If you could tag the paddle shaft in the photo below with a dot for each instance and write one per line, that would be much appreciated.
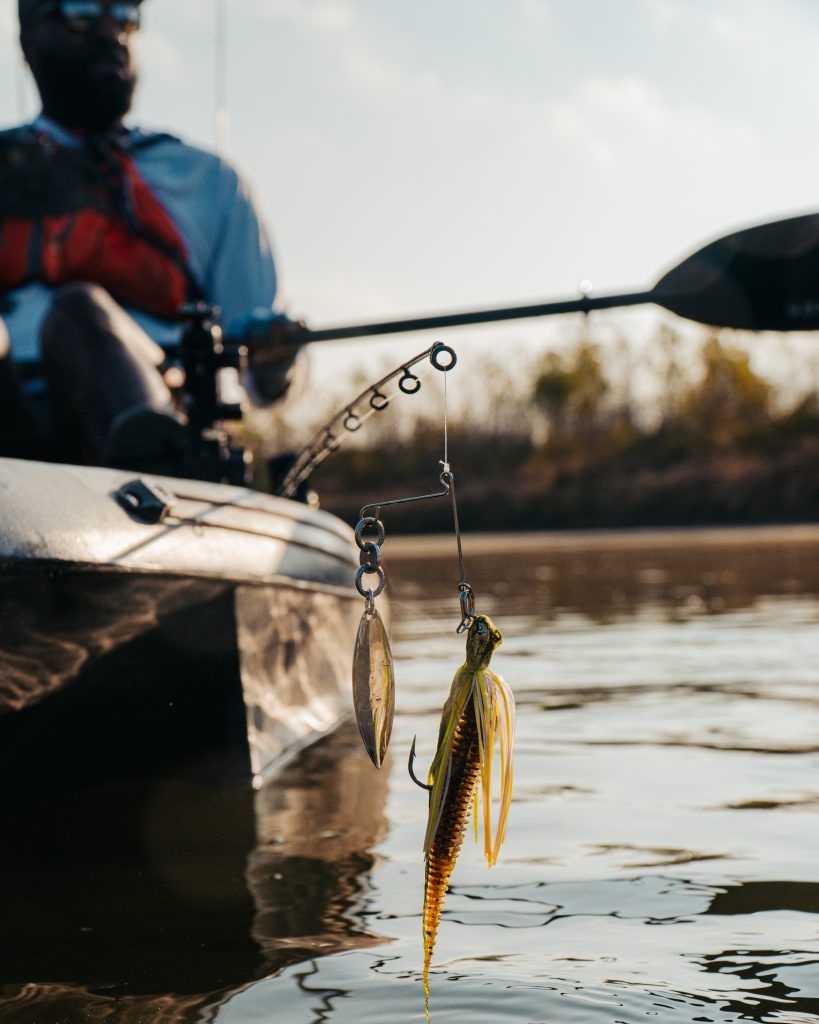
(585, 304)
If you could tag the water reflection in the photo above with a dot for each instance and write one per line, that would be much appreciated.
(664, 814)
(154, 903)
(661, 859)
(611, 576)
(777, 980)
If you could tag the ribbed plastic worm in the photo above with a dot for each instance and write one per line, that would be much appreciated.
(480, 709)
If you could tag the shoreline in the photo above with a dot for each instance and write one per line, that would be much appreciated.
(628, 538)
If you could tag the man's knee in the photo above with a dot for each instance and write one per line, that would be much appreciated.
(81, 297)
(79, 309)
(84, 314)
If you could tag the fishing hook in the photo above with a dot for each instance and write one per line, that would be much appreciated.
(411, 770)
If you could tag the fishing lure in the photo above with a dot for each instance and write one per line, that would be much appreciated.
(479, 711)
(478, 715)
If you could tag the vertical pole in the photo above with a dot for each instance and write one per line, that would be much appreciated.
(220, 77)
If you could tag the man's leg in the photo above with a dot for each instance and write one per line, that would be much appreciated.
(99, 366)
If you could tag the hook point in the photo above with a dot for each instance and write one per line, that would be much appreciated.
(411, 769)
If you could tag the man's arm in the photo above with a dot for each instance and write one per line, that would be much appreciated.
(243, 282)
(242, 273)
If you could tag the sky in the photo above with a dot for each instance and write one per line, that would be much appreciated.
(414, 156)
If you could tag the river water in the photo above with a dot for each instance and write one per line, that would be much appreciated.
(662, 857)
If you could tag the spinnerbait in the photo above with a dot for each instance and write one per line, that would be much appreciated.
(478, 715)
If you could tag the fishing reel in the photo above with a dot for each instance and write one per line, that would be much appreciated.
(202, 354)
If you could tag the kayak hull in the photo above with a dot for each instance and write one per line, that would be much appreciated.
(216, 640)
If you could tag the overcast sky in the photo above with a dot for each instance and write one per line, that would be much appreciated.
(411, 155)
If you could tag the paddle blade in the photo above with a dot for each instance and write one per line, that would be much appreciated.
(765, 278)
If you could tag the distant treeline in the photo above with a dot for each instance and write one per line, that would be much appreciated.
(574, 446)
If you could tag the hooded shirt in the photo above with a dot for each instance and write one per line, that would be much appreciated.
(205, 212)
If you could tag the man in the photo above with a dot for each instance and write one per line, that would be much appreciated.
(105, 234)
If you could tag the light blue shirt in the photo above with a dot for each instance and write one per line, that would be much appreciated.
(228, 250)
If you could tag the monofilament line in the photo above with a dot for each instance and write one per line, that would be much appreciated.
(446, 433)
(451, 478)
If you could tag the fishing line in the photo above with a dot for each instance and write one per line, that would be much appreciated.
(446, 434)
(467, 595)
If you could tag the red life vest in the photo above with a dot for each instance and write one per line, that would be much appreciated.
(86, 214)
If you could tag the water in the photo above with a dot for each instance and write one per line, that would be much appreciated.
(662, 859)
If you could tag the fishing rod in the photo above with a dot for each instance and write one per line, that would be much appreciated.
(762, 278)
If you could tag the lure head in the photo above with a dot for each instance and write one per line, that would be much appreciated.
(481, 640)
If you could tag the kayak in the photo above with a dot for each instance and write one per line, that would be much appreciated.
(152, 625)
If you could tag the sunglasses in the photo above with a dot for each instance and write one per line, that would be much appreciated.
(85, 15)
